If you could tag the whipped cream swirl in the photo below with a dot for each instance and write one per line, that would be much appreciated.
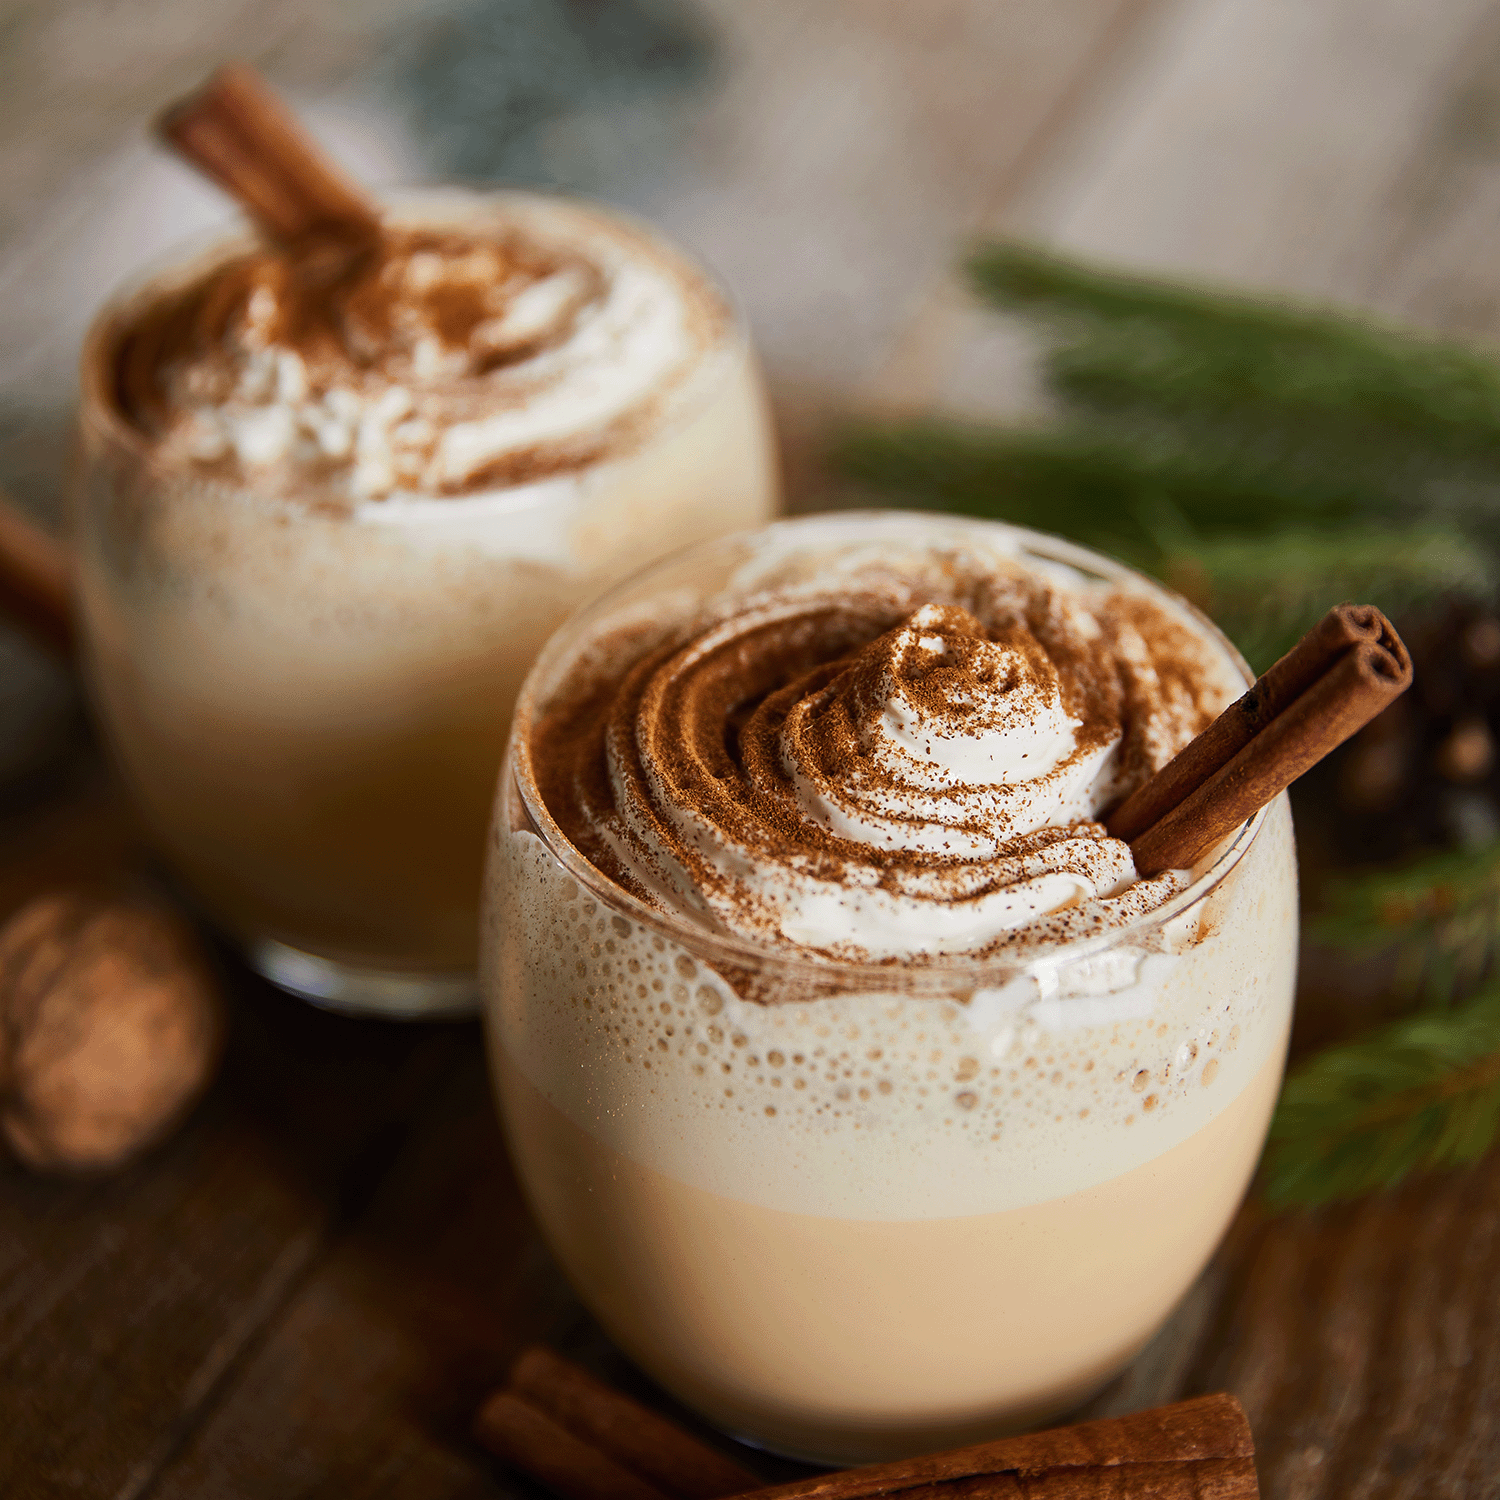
(876, 777)
(449, 359)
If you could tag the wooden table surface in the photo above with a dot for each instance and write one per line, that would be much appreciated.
(309, 1289)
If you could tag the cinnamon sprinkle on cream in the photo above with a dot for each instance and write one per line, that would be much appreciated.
(909, 767)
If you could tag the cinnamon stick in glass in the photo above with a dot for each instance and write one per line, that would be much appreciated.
(239, 133)
(1342, 628)
(1344, 672)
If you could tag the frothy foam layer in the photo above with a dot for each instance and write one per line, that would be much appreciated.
(910, 766)
(884, 1104)
(530, 339)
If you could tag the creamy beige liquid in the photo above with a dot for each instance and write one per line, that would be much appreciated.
(310, 707)
(870, 1225)
(855, 1339)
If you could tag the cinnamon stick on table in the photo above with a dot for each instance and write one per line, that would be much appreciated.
(1348, 668)
(539, 1445)
(1196, 1450)
(655, 1457)
(585, 1441)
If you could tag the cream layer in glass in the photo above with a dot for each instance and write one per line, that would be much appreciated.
(307, 674)
(854, 1210)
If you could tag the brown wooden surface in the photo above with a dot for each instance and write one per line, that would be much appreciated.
(309, 1289)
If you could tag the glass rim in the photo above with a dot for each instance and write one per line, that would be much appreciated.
(951, 973)
(99, 412)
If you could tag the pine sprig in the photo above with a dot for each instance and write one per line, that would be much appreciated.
(1417, 1095)
(1268, 589)
(1440, 916)
(1090, 483)
(1238, 544)
(1131, 342)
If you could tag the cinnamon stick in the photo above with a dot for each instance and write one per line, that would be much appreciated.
(1193, 1450)
(534, 1443)
(1342, 628)
(36, 581)
(1358, 684)
(1196, 1450)
(240, 134)
(645, 1443)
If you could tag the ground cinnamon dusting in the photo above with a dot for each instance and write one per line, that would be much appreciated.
(828, 745)
(326, 369)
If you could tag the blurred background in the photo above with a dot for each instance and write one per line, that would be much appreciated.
(833, 162)
(830, 160)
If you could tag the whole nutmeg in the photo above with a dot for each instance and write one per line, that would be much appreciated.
(111, 1026)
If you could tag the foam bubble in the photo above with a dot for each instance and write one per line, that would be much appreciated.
(880, 1104)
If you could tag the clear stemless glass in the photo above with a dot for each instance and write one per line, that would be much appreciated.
(854, 1211)
(309, 706)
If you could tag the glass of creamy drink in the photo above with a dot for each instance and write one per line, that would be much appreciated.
(866, 1095)
(327, 511)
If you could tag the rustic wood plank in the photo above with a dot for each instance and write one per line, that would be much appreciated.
(370, 1379)
(1364, 1341)
(1429, 259)
(845, 150)
(1335, 150)
(125, 1302)
(1263, 145)
(67, 826)
(847, 146)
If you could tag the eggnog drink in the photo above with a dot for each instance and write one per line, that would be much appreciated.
(866, 1094)
(329, 510)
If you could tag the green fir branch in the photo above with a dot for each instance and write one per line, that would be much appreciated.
(1439, 915)
(1091, 485)
(1267, 579)
(1127, 342)
(1418, 1095)
(1268, 589)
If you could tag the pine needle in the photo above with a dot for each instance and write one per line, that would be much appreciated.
(1266, 579)
(1268, 589)
(1418, 1095)
(1133, 342)
(1090, 484)
(1439, 914)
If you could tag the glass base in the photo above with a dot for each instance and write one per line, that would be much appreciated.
(849, 1458)
(352, 991)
